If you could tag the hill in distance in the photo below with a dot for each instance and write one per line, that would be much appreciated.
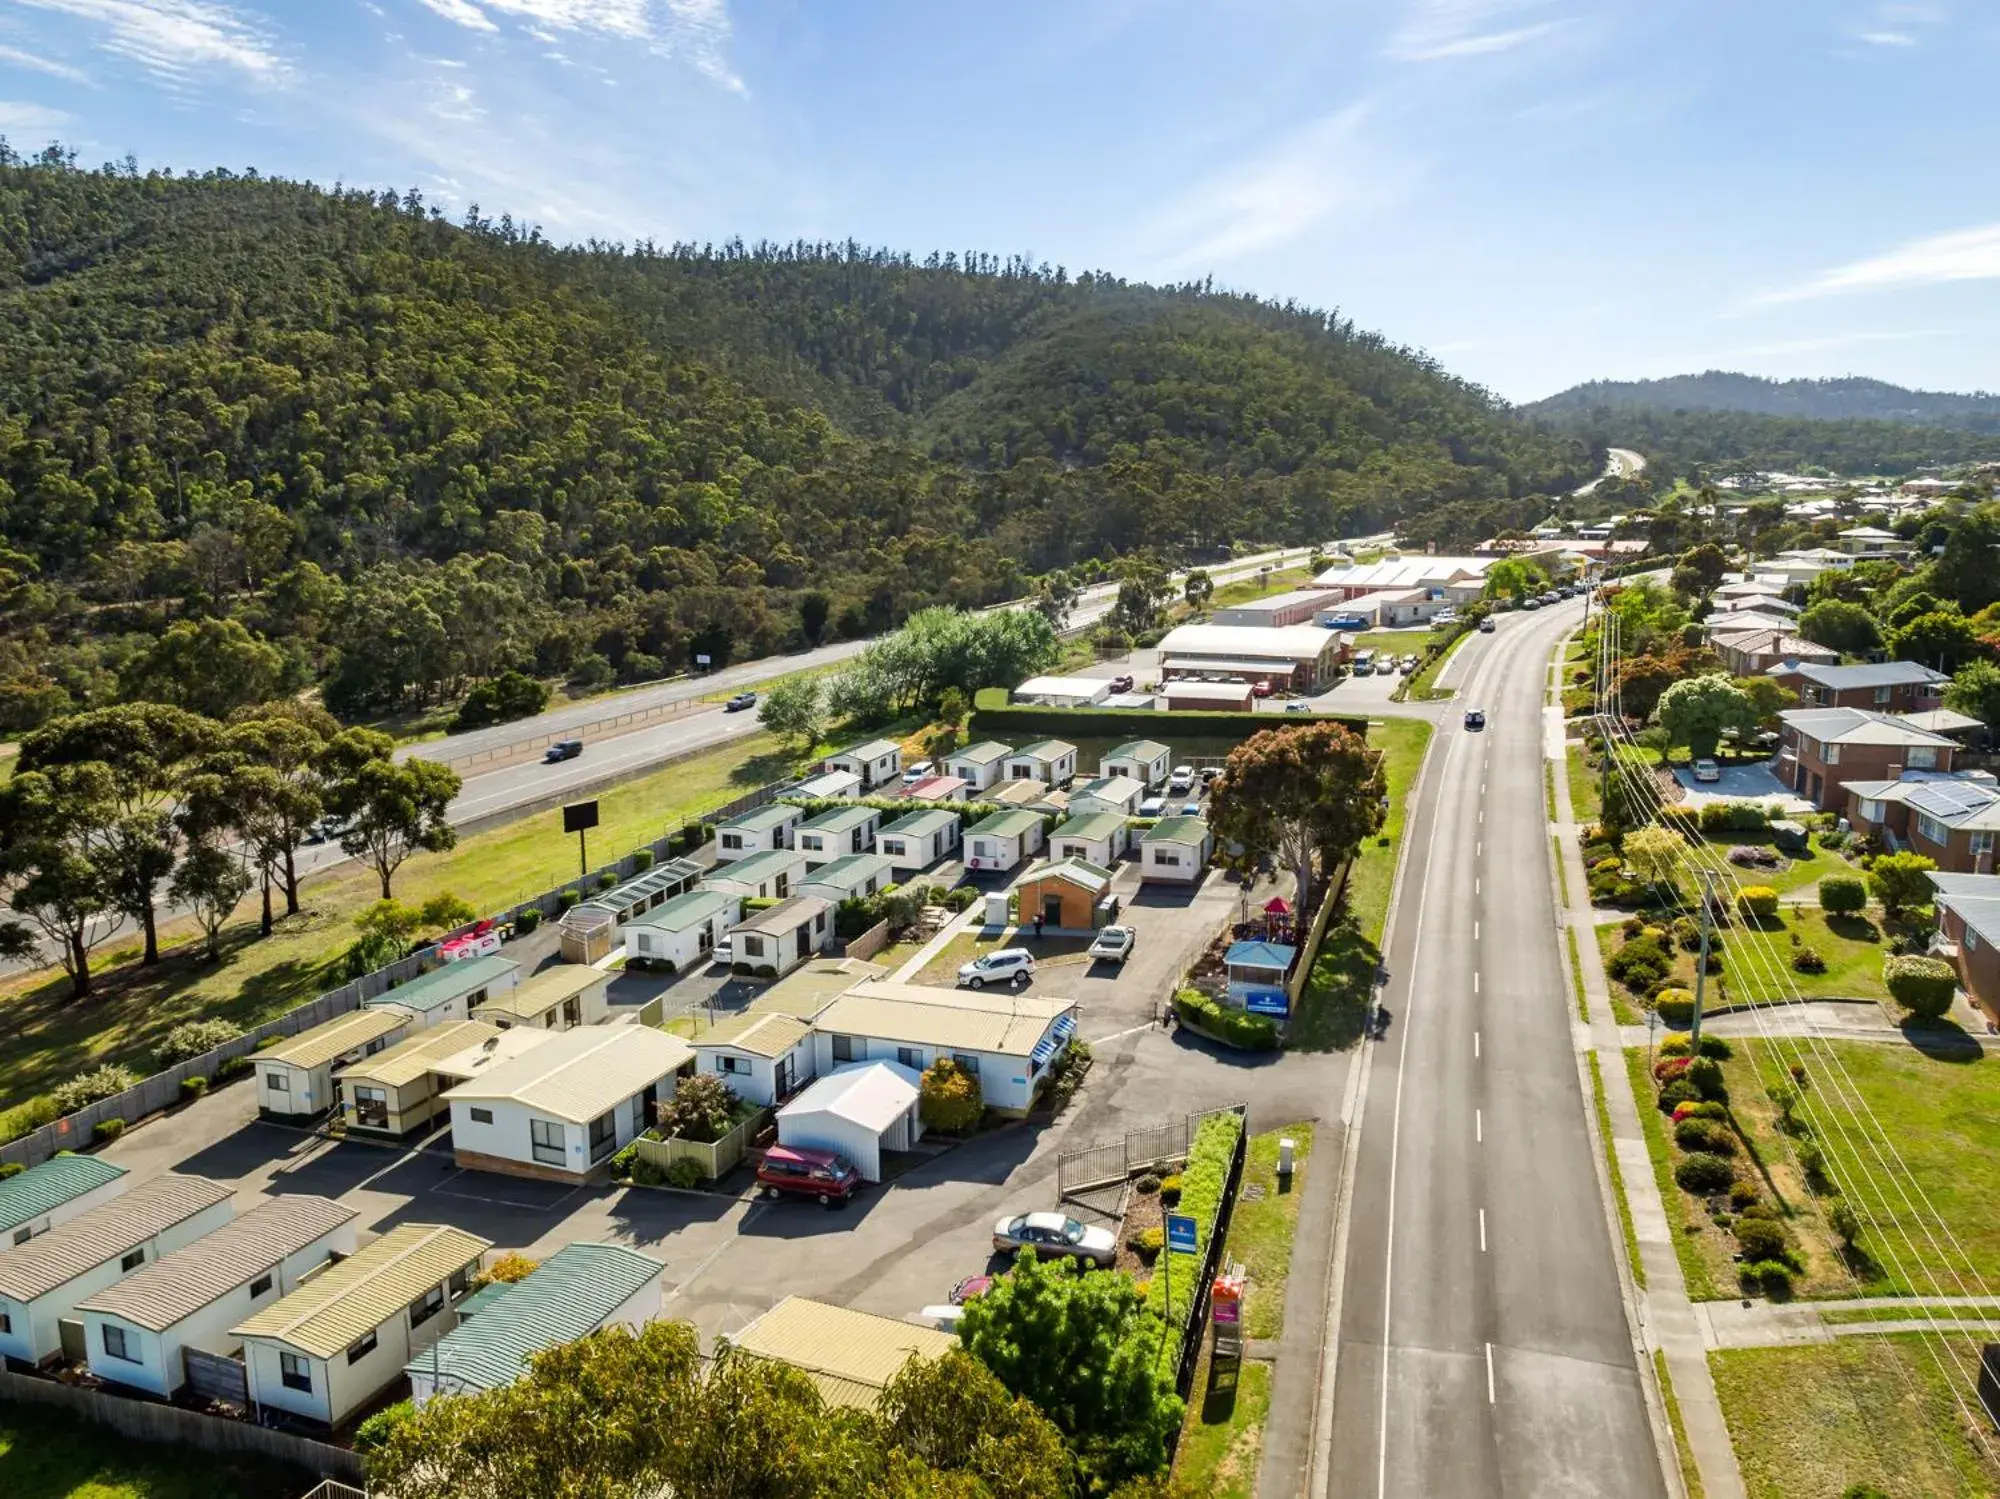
(1848, 398)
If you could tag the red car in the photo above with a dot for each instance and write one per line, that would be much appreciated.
(1262, 689)
(819, 1174)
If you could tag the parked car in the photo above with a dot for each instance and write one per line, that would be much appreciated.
(1261, 687)
(723, 952)
(1531, 603)
(1210, 774)
(1475, 718)
(1181, 780)
(1299, 707)
(1707, 770)
(1153, 806)
(795, 1171)
(1010, 965)
(1409, 665)
(1121, 684)
(971, 1286)
(1113, 945)
(915, 773)
(1050, 1234)
(739, 702)
(1190, 809)
(1486, 625)
(562, 749)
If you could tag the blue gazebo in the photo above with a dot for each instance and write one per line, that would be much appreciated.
(1257, 974)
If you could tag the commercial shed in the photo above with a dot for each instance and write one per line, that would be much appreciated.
(1185, 696)
(1006, 1041)
(328, 1349)
(919, 840)
(43, 1280)
(1062, 692)
(877, 763)
(1050, 761)
(576, 1291)
(783, 937)
(1274, 611)
(295, 1077)
(762, 1057)
(851, 877)
(556, 999)
(135, 1332)
(850, 1355)
(979, 765)
(1003, 840)
(1100, 837)
(1064, 894)
(684, 931)
(1146, 761)
(36, 1200)
(856, 1112)
(401, 1090)
(1175, 851)
(1302, 657)
(758, 832)
(450, 993)
(771, 875)
(831, 835)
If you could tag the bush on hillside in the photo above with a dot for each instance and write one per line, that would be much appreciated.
(87, 1088)
(1759, 902)
(1923, 986)
(191, 1038)
(1702, 1173)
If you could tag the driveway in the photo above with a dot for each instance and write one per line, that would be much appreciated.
(1750, 781)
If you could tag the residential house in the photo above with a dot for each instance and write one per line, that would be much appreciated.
(763, 831)
(1821, 750)
(447, 995)
(399, 1091)
(1063, 893)
(850, 1355)
(560, 1111)
(1119, 794)
(855, 877)
(1304, 658)
(1750, 652)
(136, 1331)
(833, 785)
(1766, 608)
(1006, 1041)
(1061, 692)
(783, 937)
(835, 834)
(34, 1201)
(1257, 975)
(43, 1280)
(857, 1112)
(878, 762)
(772, 875)
(1751, 588)
(1968, 935)
(1028, 793)
(1949, 819)
(682, 933)
(1146, 761)
(1175, 850)
(1003, 840)
(919, 840)
(764, 1057)
(979, 765)
(938, 790)
(1099, 837)
(578, 1290)
(1872, 541)
(1050, 761)
(295, 1077)
(1884, 686)
(325, 1352)
(556, 999)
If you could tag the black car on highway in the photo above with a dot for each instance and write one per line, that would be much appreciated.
(739, 702)
(562, 749)
(1475, 718)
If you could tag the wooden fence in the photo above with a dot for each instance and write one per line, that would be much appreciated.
(869, 942)
(715, 1160)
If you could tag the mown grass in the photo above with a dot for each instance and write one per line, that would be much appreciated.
(1617, 1173)
(1263, 1225)
(1223, 1440)
(1690, 1474)
(1757, 963)
(45, 1455)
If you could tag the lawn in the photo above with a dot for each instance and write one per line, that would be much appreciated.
(1223, 1440)
(1244, 590)
(51, 1037)
(45, 1455)
(1423, 686)
(1803, 873)
(1810, 1421)
(1260, 1231)
(1757, 966)
(1584, 803)
(1690, 1474)
(963, 948)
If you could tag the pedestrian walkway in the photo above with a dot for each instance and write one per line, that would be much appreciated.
(1767, 1324)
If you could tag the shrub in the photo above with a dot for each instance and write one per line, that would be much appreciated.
(1695, 1133)
(1843, 894)
(1170, 1188)
(621, 1163)
(1716, 1047)
(1146, 1185)
(565, 899)
(1706, 1075)
(1761, 1238)
(685, 1174)
(1148, 1242)
(1687, 933)
(1632, 926)
(193, 1088)
(1612, 865)
(1225, 1023)
(949, 1100)
(231, 1069)
(1686, 1110)
(1676, 1046)
(1702, 1173)
(1843, 1220)
(1667, 1068)
(1742, 1195)
(1675, 1006)
(508, 1267)
(1812, 1163)
(1759, 902)
(607, 881)
(1773, 1277)
(87, 1088)
(10, 1168)
(528, 920)
(1808, 960)
(1677, 1092)
(107, 1130)
(1733, 817)
(642, 860)
(269, 1041)
(1923, 986)
(646, 1174)
(702, 1109)
(1639, 962)
(190, 1039)
(374, 1433)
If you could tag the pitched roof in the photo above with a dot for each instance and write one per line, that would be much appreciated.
(1941, 721)
(851, 1355)
(1176, 830)
(935, 788)
(1253, 954)
(873, 1095)
(1093, 826)
(815, 983)
(333, 1038)
(1975, 898)
(757, 868)
(768, 1034)
(105, 1232)
(1138, 749)
(838, 820)
(963, 1019)
(442, 985)
(415, 1056)
(1044, 749)
(1079, 872)
(983, 753)
(575, 1075)
(1005, 824)
(874, 749)
(848, 871)
(685, 911)
(1016, 792)
(1767, 642)
(1872, 674)
(182, 1283)
(1114, 788)
(917, 824)
(44, 1188)
(1857, 726)
(763, 819)
(1262, 643)
(568, 1296)
(541, 992)
(785, 916)
(366, 1289)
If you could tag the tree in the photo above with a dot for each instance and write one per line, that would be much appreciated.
(1700, 569)
(1655, 854)
(701, 1109)
(1085, 1351)
(1900, 881)
(1056, 598)
(1844, 627)
(1197, 588)
(54, 849)
(815, 609)
(1943, 639)
(1975, 689)
(951, 1415)
(1513, 578)
(794, 708)
(1143, 590)
(208, 666)
(392, 809)
(209, 881)
(1697, 710)
(288, 739)
(1767, 698)
(950, 1101)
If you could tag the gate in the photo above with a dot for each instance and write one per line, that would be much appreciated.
(214, 1376)
(1104, 1163)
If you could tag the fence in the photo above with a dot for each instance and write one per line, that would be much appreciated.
(1152, 1149)
(716, 1160)
(148, 1421)
(1211, 1259)
(869, 942)
(1315, 935)
(500, 753)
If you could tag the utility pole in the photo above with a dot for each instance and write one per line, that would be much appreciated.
(1707, 880)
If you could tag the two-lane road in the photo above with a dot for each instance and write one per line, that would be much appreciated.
(1483, 1344)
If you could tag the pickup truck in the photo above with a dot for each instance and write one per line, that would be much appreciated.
(1113, 945)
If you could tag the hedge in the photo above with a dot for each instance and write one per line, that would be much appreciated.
(1843, 894)
(1226, 1023)
(1202, 1182)
(1734, 817)
(1124, 723)
(1760, 901)
(1923, 986)
(1702, 1173)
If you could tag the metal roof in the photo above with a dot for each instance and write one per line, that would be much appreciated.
(333, 1038)
(416, 1056)
(1092, 826)
(1857, 726)
(838, 820)
(685, 911)
(541, 992)
(651, 882)
(44, 1188)
(873, 1095)
(1079, 872)
(1261, 643)
(1974, 898)
(959, 1019)
(568, 1296)
(756, 869)
(983, 753)
(1005, 824)
(785, 916)
(1084, 687)
(1214, 692)
(442, 985)
(1873, 674)
(851, 1355)
(182, 1283)
(850, 870)
(776, 815)
(1112, 787)
(356, 1296)
(1253, 954)
(1138, 749)
(1017, 791)
(768, 1035)
(106, 1232)
(1190, 830)
(576, 1075)
(1941, 721)
(1045, 750)
(809, 988)
(874, 749)
(918, 824)
(1054, 1041)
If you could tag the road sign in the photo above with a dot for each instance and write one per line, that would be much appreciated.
(579, 815)
(1267, 1002)
(701, 660)
(1181, 1234)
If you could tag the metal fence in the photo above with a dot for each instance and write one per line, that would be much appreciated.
(1211, 1260)
(614, 722)
(1105, 1162)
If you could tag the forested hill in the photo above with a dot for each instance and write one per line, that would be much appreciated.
(408, 454)
(1846, 399)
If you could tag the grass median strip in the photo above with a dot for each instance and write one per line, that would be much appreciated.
(1223, 1440)
(1576, 976)
(1617, 1174)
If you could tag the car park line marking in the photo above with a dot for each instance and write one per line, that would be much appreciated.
(1482, 1232)
(1489, 1374)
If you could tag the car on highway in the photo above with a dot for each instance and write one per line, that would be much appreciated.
(1475, 718)
(1551, 597)
(1409, 665)
(561, 750)
(1053, 1234)
(327, 830)
(1707, 770)
(1486, 626)
(1010, 965)
(1113, 945)
(739, 702)
(1181, 780)
(795, 1171)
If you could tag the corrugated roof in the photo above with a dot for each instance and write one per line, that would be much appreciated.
(768, 1035)
(1253, 954)
(363, 1291)
(1113, 788)
(785, 916)
(1176, 830)
(808, 989)
(542, 992)
(44, 1188)
(1079, 872)
(918, 824)
(959, 1019)
(1856, 726)
(685, 911)
(106, 1232)
(850, 870)
(566, 1297)
(1015, 792)
(1091, 826)
(577, 1074)
(1138, 749)
(1005, 824)
(1263, 643)
(414, 1056)
(334, 1038)
(1941, 721)
(850, 1354)
(874, 749)
(838, 820)
(442, 985)
(763, 819)
(983, 753)
(756, 869)
(196, 1276)
(873, 1095)
(1044, 749)
(1871, 674)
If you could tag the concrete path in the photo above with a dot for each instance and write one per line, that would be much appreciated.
(1765, 1324)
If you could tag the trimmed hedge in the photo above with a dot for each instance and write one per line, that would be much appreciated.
(1734, 817)
(1202, 1181)
(1923, 986)
(1226, 1023)
(1843, 894)
(1702, 1173)
(528, 920)
(1760, 901)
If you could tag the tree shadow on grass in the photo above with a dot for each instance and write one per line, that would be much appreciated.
(1333, 1009)
(1943, 1040)
(761, 770)
(1854, 928)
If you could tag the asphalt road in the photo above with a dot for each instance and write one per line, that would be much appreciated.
(1482, 1347)
(1618, 463)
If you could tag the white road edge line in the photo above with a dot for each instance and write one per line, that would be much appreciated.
(1489, 1375)
(1482, 1234)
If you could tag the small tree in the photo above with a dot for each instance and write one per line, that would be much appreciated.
(1198, 588)
(209, 882)
(702, 1109)
(1923, 986)
(794, 708)
(1900, 881)
(950, 1100)
(1843, 894)
(1655, 854)
(1696, 710)
(394, 808)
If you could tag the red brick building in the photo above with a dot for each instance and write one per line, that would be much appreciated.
(1822, 750)
(1968, 936)
(1950, 820)
(1881, 687)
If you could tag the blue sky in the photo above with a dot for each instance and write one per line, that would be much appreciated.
(1536, 191)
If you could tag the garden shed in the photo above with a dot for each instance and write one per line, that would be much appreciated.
(858, 1112)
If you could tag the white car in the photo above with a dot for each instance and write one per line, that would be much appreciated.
(1707, 770)
(1010, 965)
(1054, 1234)
(916, 773)
(1113, 945)
(1182, 779)
(721, 954)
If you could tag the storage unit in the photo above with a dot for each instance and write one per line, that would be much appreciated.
(938, 790)
(555, 999)
(1120, 794)
(576, 1291)
(979, 765)
(43, 1280)
(757, 832)
(1003, 840)
(327, 1350)
(682, 933)
(295, 1077)
(857, 1112)
(919, 840)
(450, 993)
(1064, 894)
(764, 1058)
(850, 1355)
(834, 834)
(401, 1090)
(782, 938)
(1005, 1040)
(1050, 761)
(831, 786)
(878, 762)
(854, 877)
(1175, 851)
(1146, 761)
(1100, 837)
(135, 1332)
(562, 1110)
(772, 875)
(1274, 611)
(56, 1191)
(1185, 696)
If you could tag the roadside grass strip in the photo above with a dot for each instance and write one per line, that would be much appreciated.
(1610, 1146)
(1690, 1471)
(1223, 1441)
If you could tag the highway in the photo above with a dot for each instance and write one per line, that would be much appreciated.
(1619, 463)
(1481, 1343)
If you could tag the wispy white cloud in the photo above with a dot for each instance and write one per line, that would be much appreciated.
(20, 119)
(1896, 23)
(696, 31)
(14, 57)
(464, 13)
(1957, 255)
(1438, 29)
(173, 39)
(1886, 38)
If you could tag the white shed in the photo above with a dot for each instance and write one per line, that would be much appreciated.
(857, 1112)
(1121, 794)
(1175, 851)
(756, 832)
(1062, 692)
(772, 875)
(1099, 837)
(877, 762)
(1003, 840)
(829, 786)
(295, 1077)
(919, 840)
(682, 933)
(36, 1200)
(979, 765)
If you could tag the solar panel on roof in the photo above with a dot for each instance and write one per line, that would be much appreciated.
(1949, 798)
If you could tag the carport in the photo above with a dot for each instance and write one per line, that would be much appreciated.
(857, 1112)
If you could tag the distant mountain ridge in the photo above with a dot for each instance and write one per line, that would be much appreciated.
(1847, 398)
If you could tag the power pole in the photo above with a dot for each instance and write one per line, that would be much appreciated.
(1707, 880)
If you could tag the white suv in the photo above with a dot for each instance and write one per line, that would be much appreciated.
(1010, 965)
(1182, 779)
